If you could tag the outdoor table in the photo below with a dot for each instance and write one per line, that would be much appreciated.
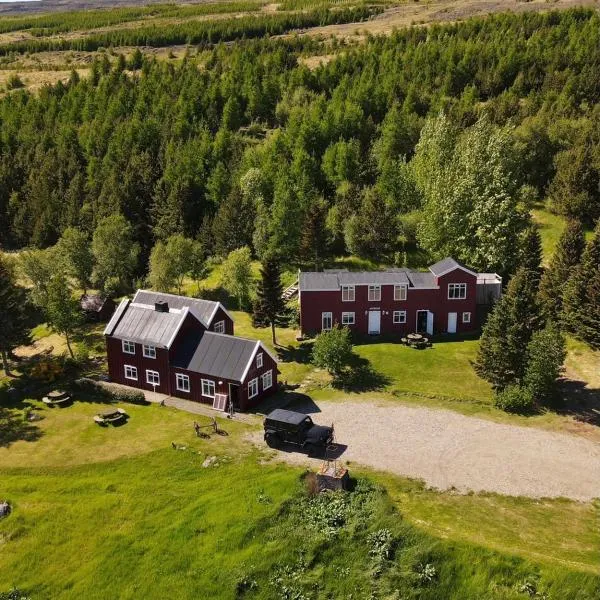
(414, 337)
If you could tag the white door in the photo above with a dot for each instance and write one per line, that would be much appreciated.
(374, 322)
(452, 317)
(429, 323)
(326, 321)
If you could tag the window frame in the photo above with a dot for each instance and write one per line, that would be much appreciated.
(348, 289)
(454, 287)
(210, 384)
(403, 289)
(182, 377)
(253, 384)
(349, 314)
(125, 344)
(468, 321)
(267, 374)
(152, 372)
(259, 360)
(330, 320)
(401, 315)
(131, 369)
(219, 326)
(376, 296)
(151, 354)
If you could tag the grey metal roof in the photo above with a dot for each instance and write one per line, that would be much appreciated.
(420, 279)
(114, 320)
(333, 280)
(144, 325)
(221, 355)
(445, 265)
(203, 308)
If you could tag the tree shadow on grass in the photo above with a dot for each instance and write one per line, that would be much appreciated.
(360, 376)
(579, 401)
(301, 354)
(14, 428)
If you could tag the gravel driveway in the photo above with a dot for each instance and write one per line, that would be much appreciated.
(447, 450)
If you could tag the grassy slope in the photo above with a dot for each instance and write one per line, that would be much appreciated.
(126, 516)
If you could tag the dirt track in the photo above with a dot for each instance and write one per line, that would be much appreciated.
(449, 450)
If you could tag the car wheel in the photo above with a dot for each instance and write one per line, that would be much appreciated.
(311, 449)
(272, 440)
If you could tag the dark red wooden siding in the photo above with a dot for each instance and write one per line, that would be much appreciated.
(221, 315)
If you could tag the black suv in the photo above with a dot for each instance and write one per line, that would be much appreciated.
(286, 426)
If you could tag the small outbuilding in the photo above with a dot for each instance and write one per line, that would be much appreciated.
(96, 307)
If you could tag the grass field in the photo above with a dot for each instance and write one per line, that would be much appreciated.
(116, 512)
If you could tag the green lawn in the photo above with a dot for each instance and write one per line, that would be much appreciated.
(116, 512)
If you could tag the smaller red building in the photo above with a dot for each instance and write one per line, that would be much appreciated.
(185, 347)
(396, 301)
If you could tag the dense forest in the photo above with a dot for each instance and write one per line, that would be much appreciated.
(440, 137)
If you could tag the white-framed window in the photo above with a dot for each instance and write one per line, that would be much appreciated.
(267, 380)
(259, 360)
(149, 351)
(182, 382)
(326, 321)
(208, 388)
(128, 347)
(347, 293)
(347, 318)
(152, 377)
(466, 317)
(374, 293)
(253, 388)
(457, 291)
(399, 316)
(400, 292)
(130, 372)
(220, 327)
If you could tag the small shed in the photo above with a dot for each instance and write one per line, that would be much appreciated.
(96, 307)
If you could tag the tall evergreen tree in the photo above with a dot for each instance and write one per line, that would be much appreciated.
(566, 257)
(14, 329)
(501, 358)
(581, 308)
(531, 253)
(314, 243)
(270, 304)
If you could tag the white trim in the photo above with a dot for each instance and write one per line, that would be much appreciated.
(401, 286)
(110, 326)
(153, 373)
(460, 283)
(454, 269)
(417, 317)
(349, 287)
(210, 383)
(245, 374)
(182, 377)
(221, 324)
(468, 321)
(123, 342)
(377, 288)
(125, 367)
(144, 346)
(323, 317)
(259, 359)
(214, 312)
(268, 373)
(253, 382)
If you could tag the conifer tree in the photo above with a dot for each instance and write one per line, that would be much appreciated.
(566, 257)
(531, 253)
(581, 314)
(501, 358)
(13, 324)
(270, 304)
(314, 243)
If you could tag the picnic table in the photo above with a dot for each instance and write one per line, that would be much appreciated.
(112, 416)
(56, 398)
(416, 340)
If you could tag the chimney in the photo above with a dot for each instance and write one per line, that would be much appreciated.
(161, 306)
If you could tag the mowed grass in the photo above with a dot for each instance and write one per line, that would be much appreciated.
(117, 513)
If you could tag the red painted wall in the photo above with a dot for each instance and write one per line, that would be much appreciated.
(221, 315)
(312, 304)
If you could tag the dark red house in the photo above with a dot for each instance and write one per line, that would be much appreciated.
(185, 347)
(395, 301)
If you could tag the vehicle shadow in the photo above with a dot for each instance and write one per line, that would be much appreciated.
(331, 452)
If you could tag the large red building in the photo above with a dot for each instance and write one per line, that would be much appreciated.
(444, 299)
(185, 347)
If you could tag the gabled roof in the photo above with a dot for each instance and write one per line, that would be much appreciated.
(446, 265)
(333, 280)
(93, 302)
(225, 356)
(205, 310)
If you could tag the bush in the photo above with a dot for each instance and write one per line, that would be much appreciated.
(14, 82)
(114, 393)
(515, 399)
(333, 350)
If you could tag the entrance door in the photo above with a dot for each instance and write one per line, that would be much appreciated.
(452, 318)
(429, 323)
(234, 395)
(422, 318)
(326, 321)
(374, 322)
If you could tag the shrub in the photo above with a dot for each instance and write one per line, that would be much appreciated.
(381, 543)
(426, 572)
(514, 399)
(14, 594)
(333, 350)
(114, 393)
(14, 82)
